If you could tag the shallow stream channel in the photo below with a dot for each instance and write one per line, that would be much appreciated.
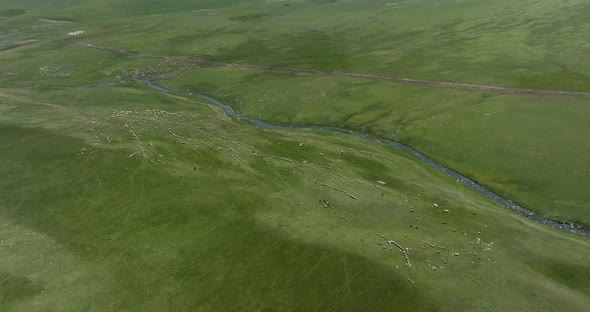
(571, 227)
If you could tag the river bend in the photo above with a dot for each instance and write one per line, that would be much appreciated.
(571, 227)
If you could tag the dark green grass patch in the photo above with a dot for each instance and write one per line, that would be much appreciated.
(11, 12)
(14, 288)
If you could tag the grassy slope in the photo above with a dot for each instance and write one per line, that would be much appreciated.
(531, 149)
(522, 45)
(218, 215)
(526, 44)
(245, 230)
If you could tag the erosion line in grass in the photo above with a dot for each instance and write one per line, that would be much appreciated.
(571, 227)
(421, 82)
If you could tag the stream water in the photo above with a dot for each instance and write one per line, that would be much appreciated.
(571, 227)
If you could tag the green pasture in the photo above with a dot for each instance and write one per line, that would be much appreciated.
(135, 200)
(531, 44)
(116, 197)
(531, 149)
(524, 44)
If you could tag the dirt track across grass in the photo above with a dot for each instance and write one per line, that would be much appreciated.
(428, 83)
(17, 44)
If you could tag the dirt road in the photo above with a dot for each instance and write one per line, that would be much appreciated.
(428, 83)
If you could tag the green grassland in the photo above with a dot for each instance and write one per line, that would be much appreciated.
(122, 198)
(135, 200)
(536, 44)
(526, 44)
(531, 149)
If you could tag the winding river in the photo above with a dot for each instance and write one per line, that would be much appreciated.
(454, 174)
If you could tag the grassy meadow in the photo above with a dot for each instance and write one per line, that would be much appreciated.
(116, 197)
(529, 148)
(141, 201)
(526, 44)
